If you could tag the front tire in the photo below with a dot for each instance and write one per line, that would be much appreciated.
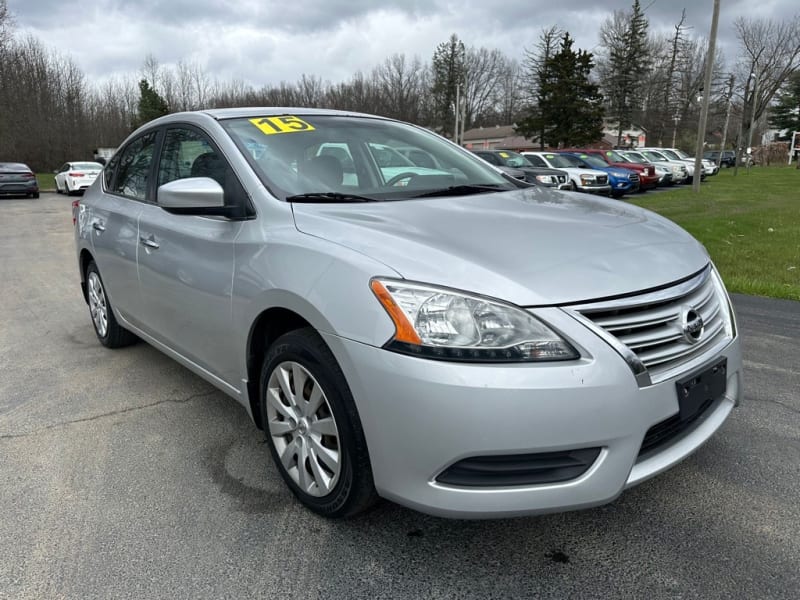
(110, 333)
(312, 427)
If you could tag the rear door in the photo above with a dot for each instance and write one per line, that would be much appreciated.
(113, 221)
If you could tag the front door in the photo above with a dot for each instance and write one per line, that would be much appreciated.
(186, 262)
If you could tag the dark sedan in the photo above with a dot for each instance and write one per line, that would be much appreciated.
(506, 159)
(16, 179)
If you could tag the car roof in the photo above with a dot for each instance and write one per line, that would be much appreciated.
(11, 165)
(269, 111)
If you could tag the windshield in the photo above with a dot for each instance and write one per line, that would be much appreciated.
(635, 157)
(345, 156)
(681, 154)
(670, 154)
(562, 161)
(87, 166)
(594, 162)
(615, 156)
(513, 159)
(654, 156)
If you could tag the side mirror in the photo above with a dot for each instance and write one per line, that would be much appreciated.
(194, 196)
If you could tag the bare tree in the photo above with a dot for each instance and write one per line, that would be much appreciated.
(770, 53)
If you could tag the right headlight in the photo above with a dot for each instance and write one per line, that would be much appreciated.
(446, 324)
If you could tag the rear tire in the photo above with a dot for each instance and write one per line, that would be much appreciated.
(312, 427)
(110, 333)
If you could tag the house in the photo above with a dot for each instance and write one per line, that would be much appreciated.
(632, 136)
(499, 136)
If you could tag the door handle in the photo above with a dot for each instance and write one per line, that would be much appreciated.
(149, 242)
(97, 226)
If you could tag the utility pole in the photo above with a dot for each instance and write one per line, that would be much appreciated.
(701, 128)
(727, 121)
(458, 110)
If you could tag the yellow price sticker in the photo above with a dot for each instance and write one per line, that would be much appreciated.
(282, 124)
(504, 154)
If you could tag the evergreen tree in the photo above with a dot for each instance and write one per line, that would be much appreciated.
(151, 104)
(448, 68)
(786, 113)
(627, 58)
(569, 109)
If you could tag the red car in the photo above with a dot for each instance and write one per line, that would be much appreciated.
(647, 172)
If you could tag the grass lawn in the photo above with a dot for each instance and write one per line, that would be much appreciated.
(750, 225)
(46, 181)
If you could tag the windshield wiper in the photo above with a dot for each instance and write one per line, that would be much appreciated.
(463, 190)
(329, 197)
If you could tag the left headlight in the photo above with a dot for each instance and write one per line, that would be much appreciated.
(446, 324)
(619, 174)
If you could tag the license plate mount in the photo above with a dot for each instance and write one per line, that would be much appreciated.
(695, 393)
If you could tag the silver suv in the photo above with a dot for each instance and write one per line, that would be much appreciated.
(443, 336)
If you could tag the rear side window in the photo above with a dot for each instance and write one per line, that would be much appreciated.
(134, 167)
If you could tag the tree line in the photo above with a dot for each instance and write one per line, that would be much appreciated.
(554, 93)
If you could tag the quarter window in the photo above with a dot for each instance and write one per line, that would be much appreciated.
(134, 167)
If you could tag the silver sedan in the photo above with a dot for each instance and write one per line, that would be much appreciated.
(448, 338)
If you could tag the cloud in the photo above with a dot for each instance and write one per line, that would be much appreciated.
(268, 41)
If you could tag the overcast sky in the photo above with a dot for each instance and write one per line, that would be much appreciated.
(267, 41)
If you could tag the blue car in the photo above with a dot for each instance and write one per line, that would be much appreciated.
(622, 181)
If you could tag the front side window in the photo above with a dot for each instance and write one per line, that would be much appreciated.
(369, 157)
(134, 167)
(189, 153)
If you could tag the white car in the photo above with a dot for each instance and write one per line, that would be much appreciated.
(75, 177)
(592, 181)
(709, 166)
(682, 172)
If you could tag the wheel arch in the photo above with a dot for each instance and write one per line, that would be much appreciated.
(84, 258)
(268, 326)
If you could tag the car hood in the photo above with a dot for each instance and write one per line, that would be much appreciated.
(577, 171)
(531, 247)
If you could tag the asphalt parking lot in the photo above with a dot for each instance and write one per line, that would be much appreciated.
(123, 475)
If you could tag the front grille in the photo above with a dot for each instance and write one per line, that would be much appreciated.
(634, 178)
(519, 469)
(667, 430)
(602, 179)
(654, 326)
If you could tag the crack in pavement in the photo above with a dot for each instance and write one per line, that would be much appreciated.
(771, 401)
(122, 411)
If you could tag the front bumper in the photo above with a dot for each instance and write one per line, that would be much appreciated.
(595, 188)
(421, 416)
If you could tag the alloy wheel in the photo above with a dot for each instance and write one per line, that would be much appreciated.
(97, 304)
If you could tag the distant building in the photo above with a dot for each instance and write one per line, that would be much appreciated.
(499, 136)
(504, 137)
(632, 136)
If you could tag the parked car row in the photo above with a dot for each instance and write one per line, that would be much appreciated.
(596, 171)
